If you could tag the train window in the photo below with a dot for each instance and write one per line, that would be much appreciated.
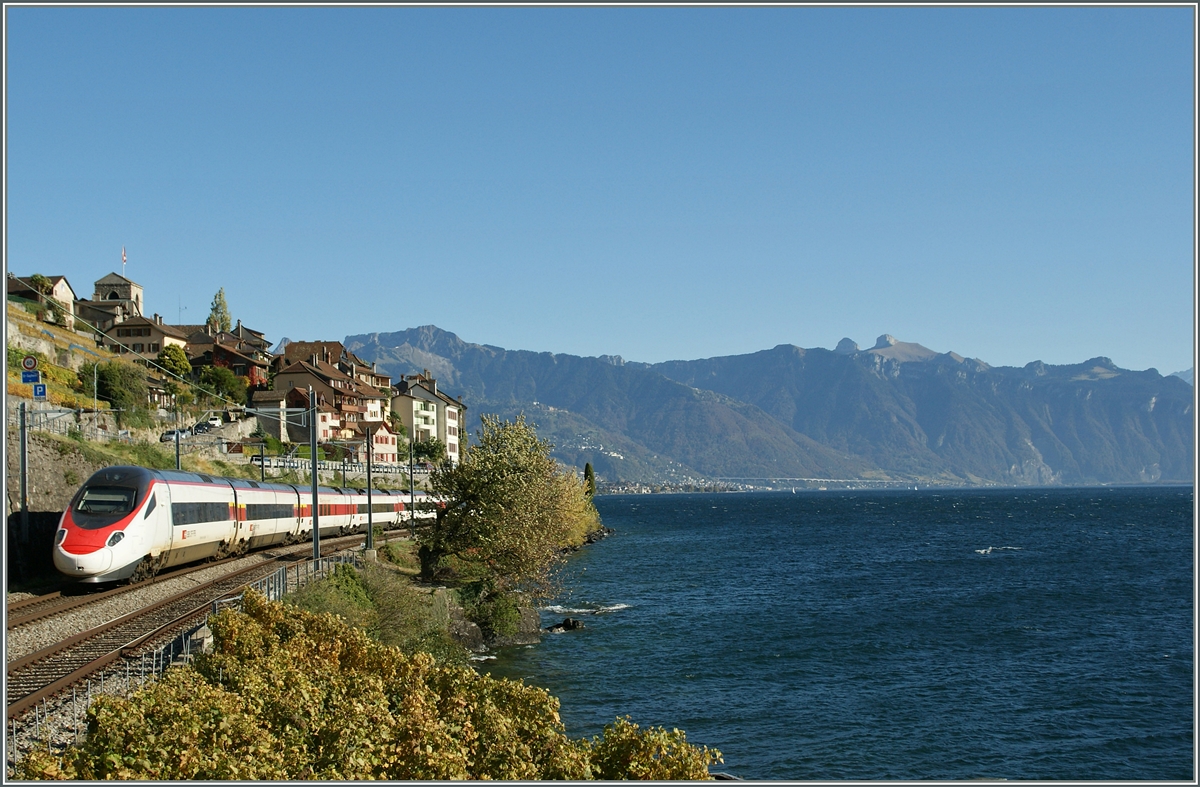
(106, 500)
(256, 511)
(194, 513)
(150, 506)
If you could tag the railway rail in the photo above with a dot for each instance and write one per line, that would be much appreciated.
(41, 675)
(32, 610)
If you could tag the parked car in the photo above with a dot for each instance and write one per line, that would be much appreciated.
(169, 435)
(215, 422)
(201, 428)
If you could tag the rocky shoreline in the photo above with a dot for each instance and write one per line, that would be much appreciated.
(529, 629)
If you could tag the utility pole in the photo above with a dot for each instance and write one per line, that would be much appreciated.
(24, 477)
(412, 487)
(370, 508)
(262, 461)
(177, 465)
(96, 402)
(312, 443)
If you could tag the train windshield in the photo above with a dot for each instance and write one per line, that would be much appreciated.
(106, 500)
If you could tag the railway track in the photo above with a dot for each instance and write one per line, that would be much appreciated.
(32, 610)
(38, 676)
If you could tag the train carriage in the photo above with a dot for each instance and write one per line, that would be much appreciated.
(130, 522)
(269, 512)
(203, 514)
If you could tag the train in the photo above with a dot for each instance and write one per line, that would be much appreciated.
(129, 523)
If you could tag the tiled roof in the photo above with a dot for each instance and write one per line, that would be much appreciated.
(169, 330)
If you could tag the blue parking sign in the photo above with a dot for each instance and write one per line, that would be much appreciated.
(39, 392)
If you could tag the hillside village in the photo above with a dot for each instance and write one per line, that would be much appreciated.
(357, 405)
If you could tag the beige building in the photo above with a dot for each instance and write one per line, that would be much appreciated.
(426, 413)
(144, 336)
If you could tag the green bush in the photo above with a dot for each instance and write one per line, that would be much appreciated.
(150, 455)
(496, 613)
(624, 752)
(287, 694)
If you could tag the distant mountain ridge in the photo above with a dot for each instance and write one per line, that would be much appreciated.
(896, 411)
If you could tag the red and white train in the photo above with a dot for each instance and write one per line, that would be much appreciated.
(131, 522)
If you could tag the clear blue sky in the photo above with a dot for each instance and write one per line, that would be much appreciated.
(661, 183)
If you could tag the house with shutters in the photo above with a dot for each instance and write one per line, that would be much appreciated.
(427, 413)
(254, 370)
(371, 384)
(144, 336)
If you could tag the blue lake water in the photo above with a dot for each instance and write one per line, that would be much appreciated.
(1019, 634)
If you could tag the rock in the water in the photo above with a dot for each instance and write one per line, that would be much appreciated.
(568, 624)
(596, 535)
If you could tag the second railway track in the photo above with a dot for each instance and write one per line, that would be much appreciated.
(41, 674)
(31, 610)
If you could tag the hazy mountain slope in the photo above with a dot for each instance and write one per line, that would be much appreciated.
(712, 434)
(897, 408)
(1084, 423)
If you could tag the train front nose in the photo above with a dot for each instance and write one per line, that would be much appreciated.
(85, 565)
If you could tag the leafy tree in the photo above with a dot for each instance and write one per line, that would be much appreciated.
(218, 316)
(223, 383)
(397, 424)
(174, 360)
(122, 385)
(431, 450)
(589, 479)
(509, 512)
(41, 284)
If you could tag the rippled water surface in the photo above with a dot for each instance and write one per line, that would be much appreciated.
(1018, 634)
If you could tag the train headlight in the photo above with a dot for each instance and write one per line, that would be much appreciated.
(62, 534)
(115, 538)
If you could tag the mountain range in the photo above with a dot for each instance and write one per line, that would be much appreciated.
(897, 412)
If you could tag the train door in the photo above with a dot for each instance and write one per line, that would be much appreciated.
(158, 526)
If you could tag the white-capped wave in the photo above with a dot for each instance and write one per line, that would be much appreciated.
(483, 658)
(599, 609)
(989, 550)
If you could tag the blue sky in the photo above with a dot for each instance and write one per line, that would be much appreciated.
(1012, 184)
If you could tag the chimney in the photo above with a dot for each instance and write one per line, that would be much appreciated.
(314, 359)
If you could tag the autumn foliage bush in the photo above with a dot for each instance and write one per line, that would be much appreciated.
(288, 694)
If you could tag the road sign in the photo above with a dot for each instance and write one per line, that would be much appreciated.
(29, 363)
(31, 377)
(39, 392)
